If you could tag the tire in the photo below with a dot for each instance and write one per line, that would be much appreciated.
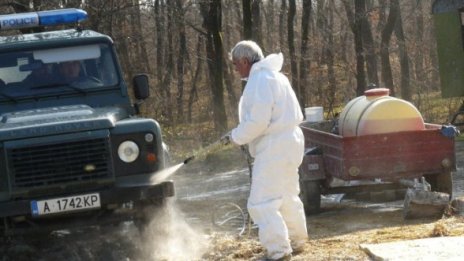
(311, 196)
(442, 182)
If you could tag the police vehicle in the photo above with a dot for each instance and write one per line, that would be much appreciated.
(73, 150)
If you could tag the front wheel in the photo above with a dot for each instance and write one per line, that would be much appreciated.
(311, 196)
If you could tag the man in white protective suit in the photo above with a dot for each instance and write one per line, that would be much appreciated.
(270, 115)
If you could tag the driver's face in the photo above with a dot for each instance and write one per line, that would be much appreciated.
(70, 70)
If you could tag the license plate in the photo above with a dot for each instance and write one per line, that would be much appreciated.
(65, 204)
(313, 166)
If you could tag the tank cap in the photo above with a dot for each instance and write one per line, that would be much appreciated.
(377, 92)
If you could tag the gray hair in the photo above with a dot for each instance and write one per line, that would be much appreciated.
(247, 49)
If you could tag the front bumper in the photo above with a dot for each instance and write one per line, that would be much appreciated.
(108, 197)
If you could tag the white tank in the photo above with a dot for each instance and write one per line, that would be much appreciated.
(376, 112)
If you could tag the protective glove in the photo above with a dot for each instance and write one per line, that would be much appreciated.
(449, 131)
(226, 139)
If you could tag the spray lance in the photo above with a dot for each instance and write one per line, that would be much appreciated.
(205, 151)
(211, 148)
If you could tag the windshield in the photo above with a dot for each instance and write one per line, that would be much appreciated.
(54, 71)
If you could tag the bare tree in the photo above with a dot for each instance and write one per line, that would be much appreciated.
(283, 12)
(212, 22)
(305, 59)
(270, 24)
(330, 58)
(247, 20)
(387, 31)
(355, 21)
(182, 56)
(404, 58)
(369, 47)
(141, 60)
(256, 22)
(193, 95)
(291, 47)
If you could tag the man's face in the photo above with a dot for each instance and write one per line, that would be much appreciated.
(242, 66)
(70, 70)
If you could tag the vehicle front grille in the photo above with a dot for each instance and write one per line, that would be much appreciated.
(43, 165)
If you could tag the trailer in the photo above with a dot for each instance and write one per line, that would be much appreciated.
(334, 164)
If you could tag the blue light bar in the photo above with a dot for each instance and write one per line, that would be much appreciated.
(63, 16)
(42, 18)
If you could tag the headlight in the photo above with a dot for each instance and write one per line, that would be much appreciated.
(128, 151)
(148, 137)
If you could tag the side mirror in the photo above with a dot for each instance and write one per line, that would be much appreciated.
(141, 86)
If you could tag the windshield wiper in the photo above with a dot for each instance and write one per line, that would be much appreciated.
(46, 86)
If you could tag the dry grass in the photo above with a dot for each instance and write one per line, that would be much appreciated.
(324, 244)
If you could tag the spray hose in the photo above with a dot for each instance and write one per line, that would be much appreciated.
(228, 215)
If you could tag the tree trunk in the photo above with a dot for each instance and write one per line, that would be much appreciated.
(404, 57)
(331, 59)
(211, 12)
(369, 47)
(143, 55)
(229, 19)
(356, 27)
(359, 9)
(291, 47)
(387, 76)
(283, 11)
(256, 23)
(304, 59)
(269, 16)
(183, 54)
(419, 61)
(247, 20)
(159, 23)
(168, 66)
(196, 78)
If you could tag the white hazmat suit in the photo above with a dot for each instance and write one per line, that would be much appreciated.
(269, 115)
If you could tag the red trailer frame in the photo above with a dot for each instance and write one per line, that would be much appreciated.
(389, 157)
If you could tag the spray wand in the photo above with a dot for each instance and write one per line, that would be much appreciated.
(205, 151)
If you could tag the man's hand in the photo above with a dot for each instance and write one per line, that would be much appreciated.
(226, 139)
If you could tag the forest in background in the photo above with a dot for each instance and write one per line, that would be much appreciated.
(333, 50)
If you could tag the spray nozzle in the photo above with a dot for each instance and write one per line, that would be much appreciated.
(187, 160)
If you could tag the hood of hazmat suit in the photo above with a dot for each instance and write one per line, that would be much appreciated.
(270, 115)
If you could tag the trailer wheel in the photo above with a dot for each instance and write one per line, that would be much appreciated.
(311, 196)
(442, 182)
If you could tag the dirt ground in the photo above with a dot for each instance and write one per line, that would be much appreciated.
(184, 230)
(337, 232)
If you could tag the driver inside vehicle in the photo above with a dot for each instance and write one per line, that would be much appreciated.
(70, 71)
(40, 76)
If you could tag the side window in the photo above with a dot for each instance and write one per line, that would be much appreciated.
(11, 67)
(106, 67)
